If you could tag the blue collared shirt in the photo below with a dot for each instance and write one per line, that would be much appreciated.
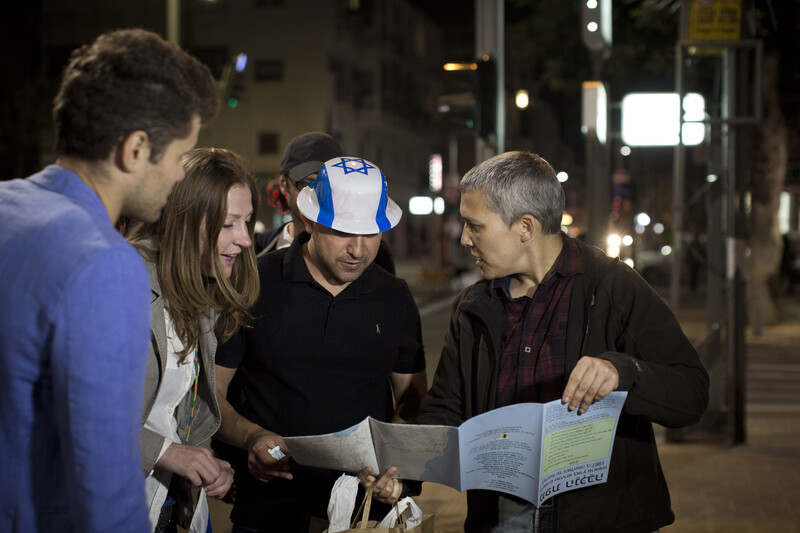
(74, 330)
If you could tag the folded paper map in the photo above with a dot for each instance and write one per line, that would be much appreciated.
(531, 450)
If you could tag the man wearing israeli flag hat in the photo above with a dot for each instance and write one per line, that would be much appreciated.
(349, 197)
(304, 156)
(334, 339)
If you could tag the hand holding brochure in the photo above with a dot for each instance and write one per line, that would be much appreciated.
(530, 450)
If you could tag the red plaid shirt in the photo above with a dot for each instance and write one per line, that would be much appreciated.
(534, 339)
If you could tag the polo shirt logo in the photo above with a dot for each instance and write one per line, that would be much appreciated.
(378, 329)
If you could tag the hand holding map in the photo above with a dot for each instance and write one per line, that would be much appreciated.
(530, 450)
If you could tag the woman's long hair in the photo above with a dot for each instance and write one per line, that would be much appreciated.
(198, 204)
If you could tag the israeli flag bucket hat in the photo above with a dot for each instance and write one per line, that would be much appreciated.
(350, 195)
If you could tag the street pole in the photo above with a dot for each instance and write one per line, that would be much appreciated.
(726, 221)
(735, 75)
(501, 78)
(596, 33)
(489, 41)
(678, 179)
(174, 21)
(598, 181)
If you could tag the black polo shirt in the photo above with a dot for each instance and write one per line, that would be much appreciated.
(312, 363)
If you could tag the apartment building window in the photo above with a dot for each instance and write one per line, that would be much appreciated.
(269, 70)
(267, 143)
(363, 93)
(341, 81)
(214, 58)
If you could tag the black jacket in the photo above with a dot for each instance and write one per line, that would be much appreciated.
(614, 315)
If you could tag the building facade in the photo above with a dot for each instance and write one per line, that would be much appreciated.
(367, 72)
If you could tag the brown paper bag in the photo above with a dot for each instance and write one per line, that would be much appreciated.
(362, 523)
(426, 526)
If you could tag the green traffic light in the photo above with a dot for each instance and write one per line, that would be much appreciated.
(233, 102)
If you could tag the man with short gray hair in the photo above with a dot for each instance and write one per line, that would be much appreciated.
(554, 319)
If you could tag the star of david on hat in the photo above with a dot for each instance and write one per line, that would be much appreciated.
(350, 195)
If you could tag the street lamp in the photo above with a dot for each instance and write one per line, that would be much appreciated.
(450, 67)
(596, 20)
(522, 99)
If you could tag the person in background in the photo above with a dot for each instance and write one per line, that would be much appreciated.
(302, 159)
(335, 339)
(75, 308)
(203, 278)
(554, 319)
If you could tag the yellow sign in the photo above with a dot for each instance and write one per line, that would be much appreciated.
(715, 20)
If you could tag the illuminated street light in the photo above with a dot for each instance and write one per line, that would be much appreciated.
(460, 66)
(522, 99)
(438, 205)
(597, 25)
(614, 242)
(435, 172)
(562, 176)
(241, 62)
(594, 111)
(420, 205)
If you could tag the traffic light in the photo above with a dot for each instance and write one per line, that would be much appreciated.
(486, 96)
(596, 25)
(233, 81)
(235, 95)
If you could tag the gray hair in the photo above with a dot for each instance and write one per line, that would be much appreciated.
(517, 184)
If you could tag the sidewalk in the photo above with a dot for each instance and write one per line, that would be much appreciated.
(752, 487)
(715, 488)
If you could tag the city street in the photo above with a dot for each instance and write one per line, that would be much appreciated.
(190, 134)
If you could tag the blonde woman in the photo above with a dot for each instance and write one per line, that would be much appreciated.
(203, 277)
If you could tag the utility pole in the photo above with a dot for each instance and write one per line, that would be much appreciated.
(174, 21)
(596, 33)
(490, 45)
(723, 350)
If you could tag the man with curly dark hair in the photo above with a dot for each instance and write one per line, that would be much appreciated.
(76, 297)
